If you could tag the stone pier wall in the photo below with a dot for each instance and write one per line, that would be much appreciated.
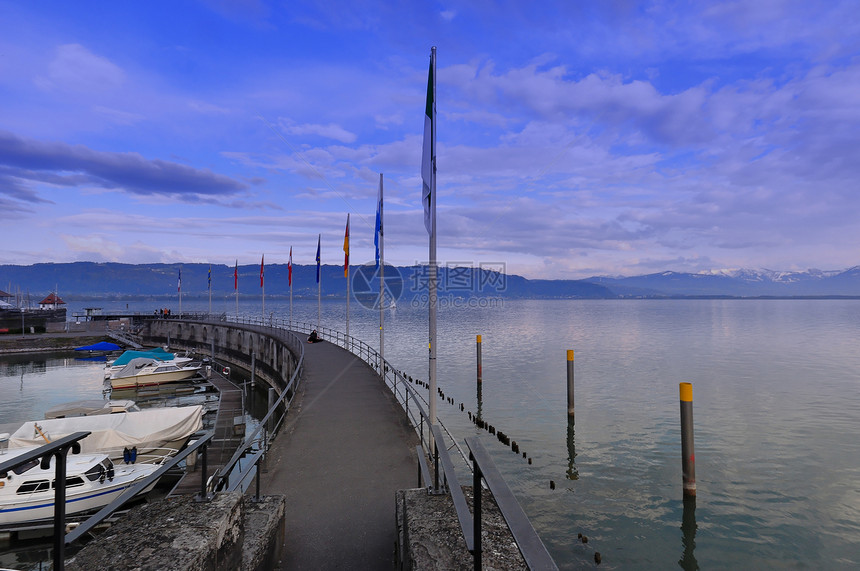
(234, 343)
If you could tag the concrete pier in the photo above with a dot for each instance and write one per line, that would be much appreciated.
(339, 462)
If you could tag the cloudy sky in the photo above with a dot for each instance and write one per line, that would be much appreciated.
(574, 138)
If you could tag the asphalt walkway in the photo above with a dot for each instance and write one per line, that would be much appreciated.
(345, 450)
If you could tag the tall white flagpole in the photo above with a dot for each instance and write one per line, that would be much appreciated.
(180, 292)
(263, 286)
(319, 284)
(290, 278)
(431, 93)
(209, 279)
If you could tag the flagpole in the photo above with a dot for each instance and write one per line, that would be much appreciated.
(180, 292)
(290, 278)
(263, 287)
(210, 289)
(236, 287)
(432, 280)
(381, 285)
(319, 284)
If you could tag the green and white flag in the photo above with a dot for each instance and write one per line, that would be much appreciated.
(428, 159)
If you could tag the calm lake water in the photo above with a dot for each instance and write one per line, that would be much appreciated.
(776, 390)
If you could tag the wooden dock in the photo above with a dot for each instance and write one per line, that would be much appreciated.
(228, 435)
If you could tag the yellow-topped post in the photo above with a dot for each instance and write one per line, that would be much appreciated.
(688, 454)
(570, 382)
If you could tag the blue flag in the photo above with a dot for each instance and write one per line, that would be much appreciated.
(378, 232)
(210, 276)
(318, 257)
(179, 283)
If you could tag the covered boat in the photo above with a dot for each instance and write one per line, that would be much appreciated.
(100, 347)
(91, 408)
(143, 371)
(157, 354)
(146, 430)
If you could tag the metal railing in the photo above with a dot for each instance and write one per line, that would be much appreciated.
(268, 426)
(58, 449)
(415, 405)
(480, 463)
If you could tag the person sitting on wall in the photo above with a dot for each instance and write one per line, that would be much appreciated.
(314, 337)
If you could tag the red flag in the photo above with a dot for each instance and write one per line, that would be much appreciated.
(236, 276)
(261, 269)
(346, 249)
(290, 268)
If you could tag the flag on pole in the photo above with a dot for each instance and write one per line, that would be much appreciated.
(318, 257)
(263, 259)
(378, 232)
(236, 276)
(209, 278)
(179, 282)
(428, 157)
(346, 249)
(290, 268)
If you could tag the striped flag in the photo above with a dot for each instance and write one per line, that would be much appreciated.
(428, 157)
(179, 282)
(346, 249)
(209, 278)
(261, 269)
(290, 268)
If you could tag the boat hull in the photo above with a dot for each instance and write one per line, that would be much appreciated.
(40, 505)
(152, 379)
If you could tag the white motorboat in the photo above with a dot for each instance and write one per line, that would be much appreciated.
(158, 354)
(144, 371)
(92, 481)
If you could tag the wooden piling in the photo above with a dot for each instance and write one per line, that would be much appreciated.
(480, 365)
(688, 454)
(570, 382)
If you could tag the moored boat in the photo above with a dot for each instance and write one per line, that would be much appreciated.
(143, 371)
(158, 429)
(158, 353)
(92, 481)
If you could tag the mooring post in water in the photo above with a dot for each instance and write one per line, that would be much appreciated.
(570, 382)
(688, 454)
(480, 366)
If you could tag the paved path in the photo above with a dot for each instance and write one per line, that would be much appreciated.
(345, 450)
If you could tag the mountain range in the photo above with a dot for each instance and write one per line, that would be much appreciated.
(93, 280)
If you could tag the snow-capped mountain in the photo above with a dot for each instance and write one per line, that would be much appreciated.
(738, 283)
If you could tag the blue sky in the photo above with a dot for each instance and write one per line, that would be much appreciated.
(574, 138)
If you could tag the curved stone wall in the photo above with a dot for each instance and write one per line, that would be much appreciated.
(269, 350)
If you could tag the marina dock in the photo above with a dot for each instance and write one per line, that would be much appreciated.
(229, 434)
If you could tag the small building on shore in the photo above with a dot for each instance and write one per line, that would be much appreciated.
(53, 301)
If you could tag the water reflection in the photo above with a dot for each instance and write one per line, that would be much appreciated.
(688, 540)
(572, 472)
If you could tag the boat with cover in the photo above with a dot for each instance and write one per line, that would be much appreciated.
(91, 408)
(154, 429)
(144, 371)
(92, 481)
(157, 353)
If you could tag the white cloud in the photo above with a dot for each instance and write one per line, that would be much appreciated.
(75, 68)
